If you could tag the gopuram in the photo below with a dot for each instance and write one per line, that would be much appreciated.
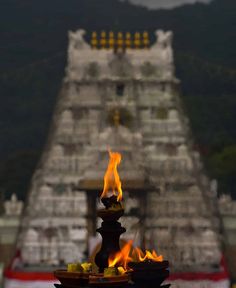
(120, 92)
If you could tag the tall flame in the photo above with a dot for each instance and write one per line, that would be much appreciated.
(112, 179)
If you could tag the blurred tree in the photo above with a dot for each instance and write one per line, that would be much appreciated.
(222, 166)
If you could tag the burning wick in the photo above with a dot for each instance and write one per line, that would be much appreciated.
(112, 179)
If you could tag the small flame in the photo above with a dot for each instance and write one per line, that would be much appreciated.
(141, 257)
(112, 179)
(121, 258)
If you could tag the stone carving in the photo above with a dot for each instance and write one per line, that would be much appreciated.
(164, 42)
(76, 44)
(57, 151)
(164, 39)
(67, 117)
(67, 122)
(45, 191)
(121, 66)
(13, 207)
(112, 136)
(31, 236)
(77, 234)
(182, 150)
(173, 114)
(76, 41)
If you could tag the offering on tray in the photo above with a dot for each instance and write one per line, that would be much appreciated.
(87, 267)
(78, 267)
(113, 271)
(74, 267)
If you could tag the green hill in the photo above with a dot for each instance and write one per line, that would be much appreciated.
(33, 56)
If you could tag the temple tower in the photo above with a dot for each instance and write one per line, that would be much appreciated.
(121, 93)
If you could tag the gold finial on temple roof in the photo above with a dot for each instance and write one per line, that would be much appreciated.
(111, 40)
(137, 40)
(146, 41)
(128, 40)
(94, 40)
(120, 40)
(103, 40)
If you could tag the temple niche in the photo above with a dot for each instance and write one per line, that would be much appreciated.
(125, 100)
(67, 122)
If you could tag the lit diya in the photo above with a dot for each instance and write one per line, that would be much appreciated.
(148, 269)
(145, 269)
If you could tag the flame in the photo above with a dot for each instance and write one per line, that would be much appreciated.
(121, 258)
(112, 179)
(139, 256)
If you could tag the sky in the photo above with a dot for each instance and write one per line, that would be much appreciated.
(166, 3)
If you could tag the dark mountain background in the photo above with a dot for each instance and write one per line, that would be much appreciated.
(33, 57)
